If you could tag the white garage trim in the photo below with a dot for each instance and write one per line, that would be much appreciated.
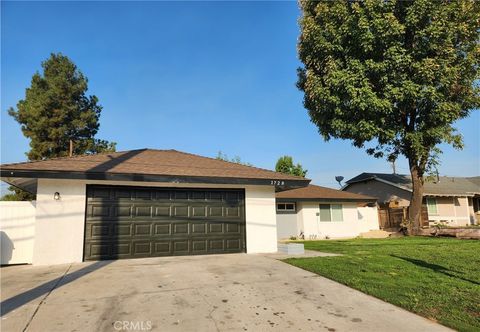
(60, 223)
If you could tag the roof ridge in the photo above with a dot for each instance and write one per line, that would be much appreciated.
(70, 157)
(234, 163)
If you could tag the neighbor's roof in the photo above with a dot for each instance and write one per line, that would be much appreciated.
(148, 165)
(445, 186)
(313, 192)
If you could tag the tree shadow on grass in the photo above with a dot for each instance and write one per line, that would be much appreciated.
(436, 268)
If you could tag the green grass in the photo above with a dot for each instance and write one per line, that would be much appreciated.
(438, 278)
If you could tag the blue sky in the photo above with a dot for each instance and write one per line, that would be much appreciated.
(200, 77)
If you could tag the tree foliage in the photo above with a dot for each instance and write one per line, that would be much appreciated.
(17, 194)
(285, 165)
(55, 111)
(236, 159)
(391, 76)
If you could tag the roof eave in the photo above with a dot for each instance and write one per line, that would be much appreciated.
(450, 195)
(280, 184)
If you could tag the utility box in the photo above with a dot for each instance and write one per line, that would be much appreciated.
(291, 248)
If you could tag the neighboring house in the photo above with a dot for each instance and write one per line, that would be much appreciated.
(453, 201)
(319, 212)
(146, 203)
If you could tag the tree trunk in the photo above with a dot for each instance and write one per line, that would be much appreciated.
(415, 210)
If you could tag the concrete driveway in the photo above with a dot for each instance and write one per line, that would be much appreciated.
(235, 292)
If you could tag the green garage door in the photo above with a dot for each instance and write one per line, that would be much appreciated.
(131, 222)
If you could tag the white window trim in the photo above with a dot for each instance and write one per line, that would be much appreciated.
(286, 210)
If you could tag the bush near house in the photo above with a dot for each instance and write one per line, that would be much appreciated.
(438, 278)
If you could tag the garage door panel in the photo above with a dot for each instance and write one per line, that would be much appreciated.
(101, 193)
(142, 248)
(233, 244)
(232, 212)
(199, 195)
(215, 211)
(215, 227)
(122, 230)
(123, 194)
(199, 228)
(163, 248)
(128, 222)
(180, 246)
(216, 196)
(142, 211)
(198, 211)
(216, 245)
(121, 249)
(179, 195)
(232, 228)
(143, 194)
(99, 230)
(162, 211)
(180, 228)
(162, 229)
(142, 229)
(121, 211)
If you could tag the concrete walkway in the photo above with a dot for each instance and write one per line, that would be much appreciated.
(236, 292)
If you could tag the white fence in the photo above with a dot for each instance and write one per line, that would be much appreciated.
(17, 232)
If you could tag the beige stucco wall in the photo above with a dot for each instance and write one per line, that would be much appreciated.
(455, 211)
(287, 225)
(17, 232)
(59, 228)
(382, 191)
(351, 226)
(261, 219)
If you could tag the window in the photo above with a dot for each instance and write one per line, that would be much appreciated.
(286, 207)
(331, 212)
(432, 205)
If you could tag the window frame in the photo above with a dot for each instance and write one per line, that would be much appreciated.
(330, 209)
(435, 204)
(285, 207)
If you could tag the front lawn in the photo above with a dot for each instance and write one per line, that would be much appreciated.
(438, 278)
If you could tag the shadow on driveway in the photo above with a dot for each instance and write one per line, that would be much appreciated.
(21, 299)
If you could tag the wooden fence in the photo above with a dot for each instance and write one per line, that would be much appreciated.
(392, 217)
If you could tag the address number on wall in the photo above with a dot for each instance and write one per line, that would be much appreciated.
(277, 183)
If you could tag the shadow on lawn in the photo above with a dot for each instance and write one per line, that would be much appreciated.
(435, 268)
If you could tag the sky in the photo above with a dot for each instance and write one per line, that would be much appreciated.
(200, 77)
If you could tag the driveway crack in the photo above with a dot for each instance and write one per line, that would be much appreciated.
(211, 312)
(45, 297)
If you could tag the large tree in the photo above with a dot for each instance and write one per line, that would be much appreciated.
(57, 113)
(57, 110)
(285, 165)
(392, 76)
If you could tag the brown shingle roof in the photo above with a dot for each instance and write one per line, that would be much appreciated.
(317, 193)
(150, 162)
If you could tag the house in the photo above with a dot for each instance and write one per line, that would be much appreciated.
(453, 201)
(145, 203)
(316, 212)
